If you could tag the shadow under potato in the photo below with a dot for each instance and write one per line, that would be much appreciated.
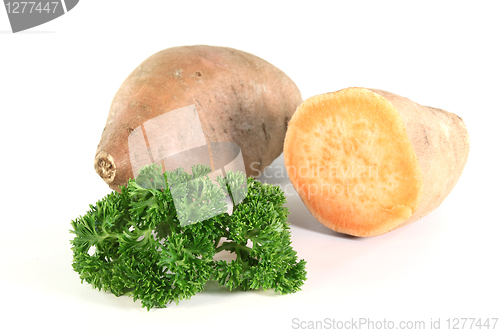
(301, 217)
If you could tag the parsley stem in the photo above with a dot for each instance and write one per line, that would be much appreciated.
(232, 247)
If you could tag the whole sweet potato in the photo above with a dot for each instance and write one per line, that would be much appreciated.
(367, 161)
(239, 97)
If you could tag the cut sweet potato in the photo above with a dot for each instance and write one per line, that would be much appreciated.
(365, 162)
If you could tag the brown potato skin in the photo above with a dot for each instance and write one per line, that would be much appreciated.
(441, 143)
(240, 98)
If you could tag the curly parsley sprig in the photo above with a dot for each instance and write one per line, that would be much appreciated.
(156, 239)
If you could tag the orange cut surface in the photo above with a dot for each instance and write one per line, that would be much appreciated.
(349, 158)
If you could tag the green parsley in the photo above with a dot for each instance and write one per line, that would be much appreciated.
(156, 239)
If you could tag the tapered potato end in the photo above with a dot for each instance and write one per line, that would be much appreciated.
(105, 166)
(441, 141)
(349, 158)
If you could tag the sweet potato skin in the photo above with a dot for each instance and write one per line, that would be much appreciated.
(239, 97)
(438, 147)
(442, 144)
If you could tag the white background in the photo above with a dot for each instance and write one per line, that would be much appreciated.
(56, 85)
